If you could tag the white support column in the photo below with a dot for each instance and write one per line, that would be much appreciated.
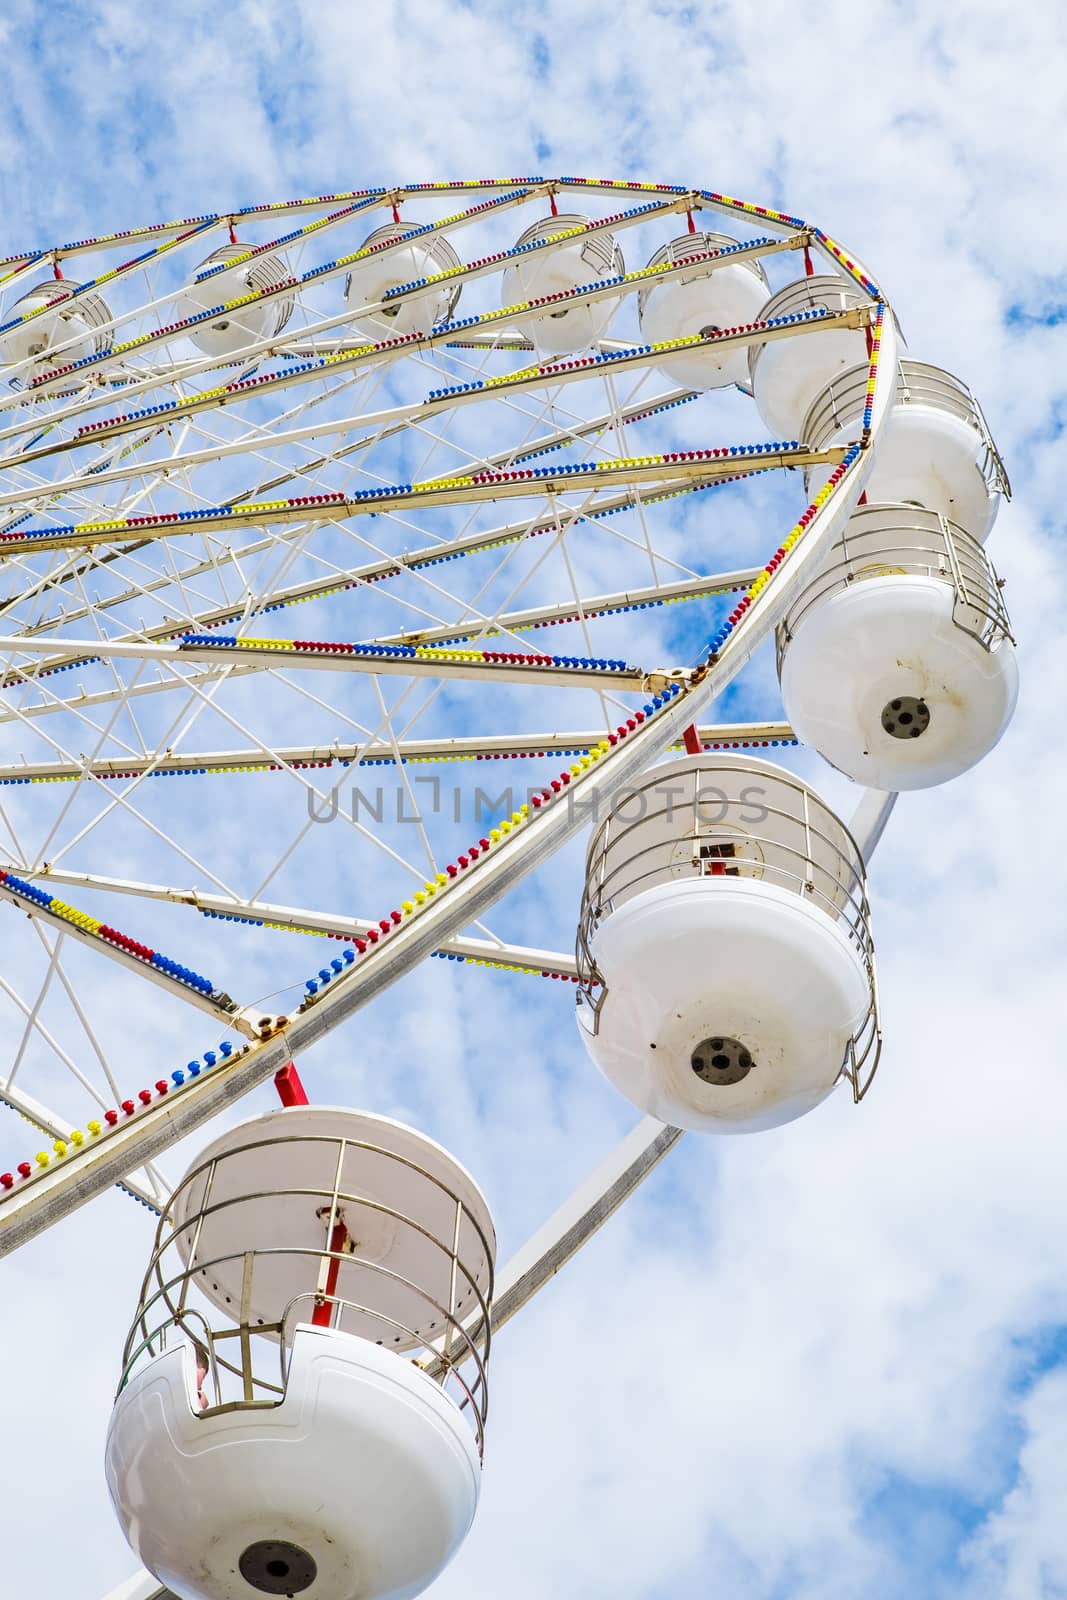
(142, 1586)
(869, 819)
(575, 1222)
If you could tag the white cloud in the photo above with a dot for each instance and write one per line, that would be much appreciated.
(1022, 1548)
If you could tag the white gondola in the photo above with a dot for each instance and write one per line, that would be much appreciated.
(228, 274)
(546, 269)
(389, 266)
(69, 330)
(725, 960)
(935, 450)
(303, 1390)
(897, 663)
(788, 374)
(707, 297)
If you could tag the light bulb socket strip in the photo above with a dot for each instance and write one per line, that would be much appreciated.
(131, 952)
(671, 467)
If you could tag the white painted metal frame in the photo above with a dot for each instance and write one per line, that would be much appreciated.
(437, 927)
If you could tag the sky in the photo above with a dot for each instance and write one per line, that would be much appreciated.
(825, 1361)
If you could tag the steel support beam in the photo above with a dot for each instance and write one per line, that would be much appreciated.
(262, 653)
(650, 472)
(484, 747)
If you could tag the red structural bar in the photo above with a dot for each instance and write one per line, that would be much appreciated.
(291, 1091)
(320, 1317)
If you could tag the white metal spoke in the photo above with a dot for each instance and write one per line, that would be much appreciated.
(300, 919)
(443, 664)
(31, 1014)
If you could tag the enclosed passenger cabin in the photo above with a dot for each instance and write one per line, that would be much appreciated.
(788, 374)
(547, 268)
(709, 297)
(897, 662)
(59, 322)
(232, 273)
(303, 1390)
(726, 977)
(389, 265)
(935, 449)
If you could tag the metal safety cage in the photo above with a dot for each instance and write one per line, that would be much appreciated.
(434, 246)
(600, 251)
(261, 273)
(915, 543)
(698, 244)
(66, 300)
(841, 405)
(804, 848)
(808, 294)
(244, 1359)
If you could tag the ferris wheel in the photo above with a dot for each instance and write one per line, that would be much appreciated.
(506, 445)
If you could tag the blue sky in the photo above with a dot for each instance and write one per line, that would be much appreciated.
(826, 1361)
